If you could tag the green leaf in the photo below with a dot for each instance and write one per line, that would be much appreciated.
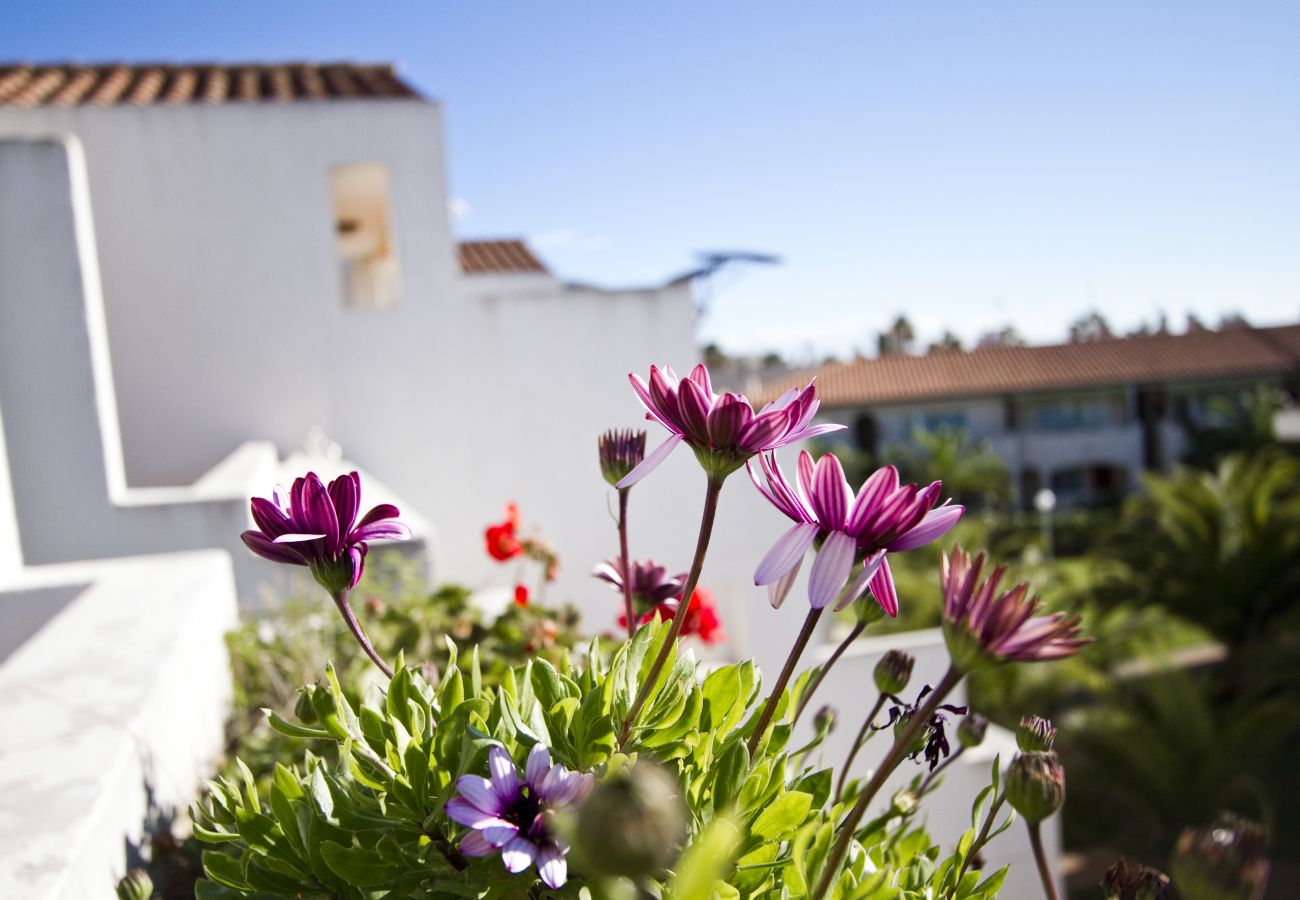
(292, 729)
(732, 768)
(991, 885)
(706, 861)
(362, 868)
(224, 869)
(784, 815)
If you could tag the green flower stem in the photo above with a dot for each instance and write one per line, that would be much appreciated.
(858, 743)
(711, 493)
(628, 609)
(918, 720)
(980, 840)
(1040, 857)
(765, 719)
(350, 618)
(821, 673)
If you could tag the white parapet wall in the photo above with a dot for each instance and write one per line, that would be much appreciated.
(113, 712)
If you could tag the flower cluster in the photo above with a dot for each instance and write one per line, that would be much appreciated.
(513, 816)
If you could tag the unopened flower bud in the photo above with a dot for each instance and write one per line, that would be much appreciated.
(621, 451)
(1035, 734)
(824, 721)
(632, 824)
(1125, 882)
(865, 609)
(971, 730)
(135, 885)
(893, 672)
(904, 802)
(1225, 860)
(1035, 785)
(303, 708)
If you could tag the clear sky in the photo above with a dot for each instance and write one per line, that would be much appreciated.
(970, 164)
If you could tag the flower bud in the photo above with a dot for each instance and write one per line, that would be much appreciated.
(303, 708)
(1035, 734)
(971, 729)
(824, 721)
(1225, 860)
(893, 672)
(621, 451)
(632, 824)
(1125, 882)
(865, 609)
(135, 885)
(903, 803)
(1035, 785)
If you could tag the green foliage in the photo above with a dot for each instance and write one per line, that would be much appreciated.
(371, 822)
(273, 655)
(1221, 548)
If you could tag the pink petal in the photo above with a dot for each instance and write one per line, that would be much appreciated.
(693, 411)
(269, 518)
(345, 494)
(643, 393)
(831, 568)
(728, 419)
(869, 569)
(478, 791)
(380, 512)
(882, 588)
(936, 524)
(764, 431)
(802, 434)
(505, 778)
(786, 553)
(779, 589)
(648, 465)
(268, 549)
(538, 764)
(387, 530)
(700, 376)
(830, 494)
(460, 810)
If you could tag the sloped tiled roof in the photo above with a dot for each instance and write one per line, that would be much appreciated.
(73, 84)
(1194, 356)
(508, 257)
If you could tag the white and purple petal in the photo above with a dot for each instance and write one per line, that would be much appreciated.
(786, 553)
(651, 462)
(831, 568)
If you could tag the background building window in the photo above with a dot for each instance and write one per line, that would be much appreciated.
(363, 236)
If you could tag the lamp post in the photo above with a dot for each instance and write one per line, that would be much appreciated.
(1045, 503)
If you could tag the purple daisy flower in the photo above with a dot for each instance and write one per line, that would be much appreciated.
(983, 626)
(510, 816)
(724, 430)
(317, 527)
(850, 530)
(651, 583)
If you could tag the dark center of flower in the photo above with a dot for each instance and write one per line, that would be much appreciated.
(524, 811)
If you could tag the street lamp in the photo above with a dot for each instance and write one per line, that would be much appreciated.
(1045, 503)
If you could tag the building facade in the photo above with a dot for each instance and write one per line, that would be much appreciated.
(1083, 419)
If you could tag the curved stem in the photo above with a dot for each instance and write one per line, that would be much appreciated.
(980, 840)
(809, 625)
(628, 609)
(1040, 857)
(349, 617)
(915, 723)
(821, 673)
(858, 743)
(711, 493)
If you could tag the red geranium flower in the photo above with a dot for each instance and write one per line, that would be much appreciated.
(701, 617)
(502, 544)
(521, 595)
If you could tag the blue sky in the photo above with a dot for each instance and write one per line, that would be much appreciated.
(968, 164)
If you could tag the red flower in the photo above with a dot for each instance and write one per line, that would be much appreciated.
(701, 617)
(502, 544)
(521, 595)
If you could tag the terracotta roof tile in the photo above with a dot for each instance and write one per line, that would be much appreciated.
(508, 257)
(25, 85)
(1200, 355)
